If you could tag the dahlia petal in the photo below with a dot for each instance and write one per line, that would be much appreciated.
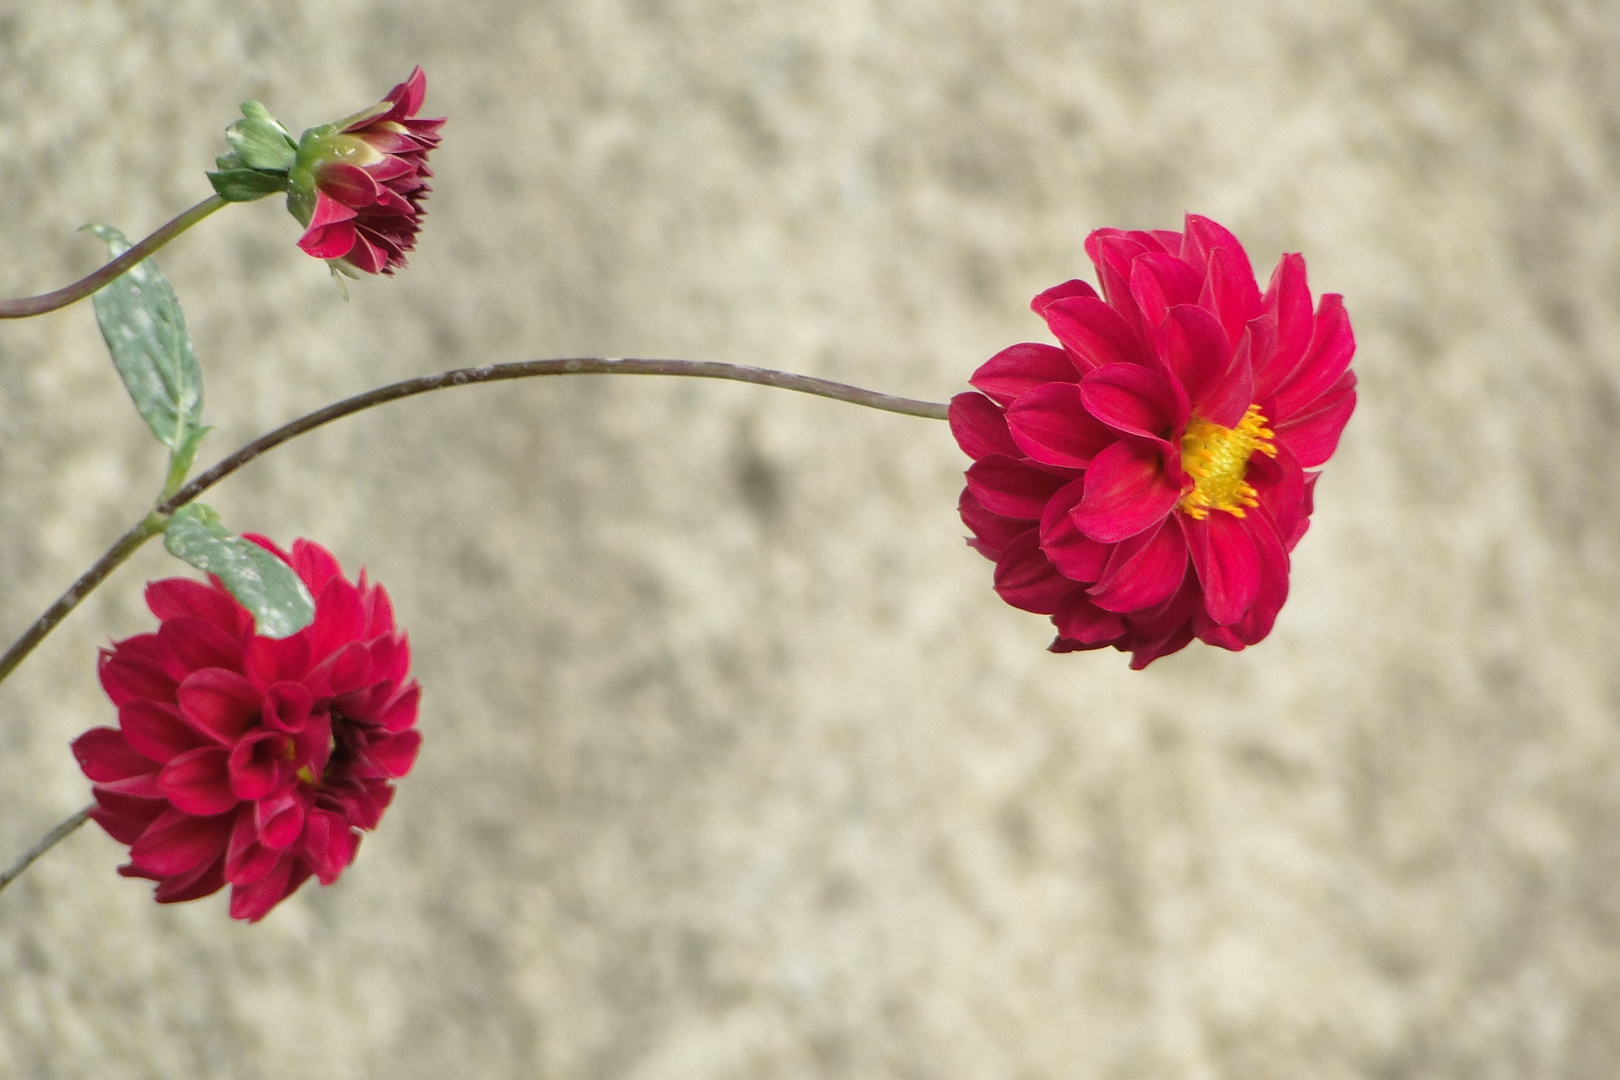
(1072, 287)
(1135, 400)
(279, 820)
(122, 827)
(391, 167)
(329, 241)
(247, 860)
(253, 902)
(1012, 488)
(400, 713)
(313, 745)
(177, 842)
(1111, 252)
(218, 703)
(1093, 332)
(1169, 240)
(1201, 238)
(329, 212)
(1051, 425)
(1126, 492)
(1079, 620)
(259, 764)
(361, 805)
(187, 644)
(379, 609)
(268, 661)
(345, 671)
(364, 255)
(287, 706)
(105, 755)
(1313, 433)
(1018, 369)
(1288, 302)
(1229, 288)
(409, 95)
(396, 754)
(1026, 578)
(1274, 563)
(174, 598)
(132, 672)
(1332, 345)
(991, 532)
(1160, 282)
(1228, 565)
(272, 547)
(1144, 570)
(198, 783)
(315, 565)
(1061, 644)
(205, 880)
(1280, 487)
(1146, 650)
(1198, 354)
(133, 796)
(330, 845)
(979, 427)
(1077, 556)
(390, 661)
(347, 184)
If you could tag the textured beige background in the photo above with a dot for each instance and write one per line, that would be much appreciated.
(735, 766)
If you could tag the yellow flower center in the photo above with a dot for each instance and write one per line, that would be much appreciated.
(1217, 459)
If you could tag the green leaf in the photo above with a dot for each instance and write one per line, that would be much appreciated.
(145, 331)
(246, 185)
(262, 583)
(260, 141)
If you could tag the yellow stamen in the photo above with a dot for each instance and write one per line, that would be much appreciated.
(1217, 459)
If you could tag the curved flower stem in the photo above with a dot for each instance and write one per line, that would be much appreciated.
(529, 369)
(153, 523)
(51, 839)
(114, 557)
(38, 305)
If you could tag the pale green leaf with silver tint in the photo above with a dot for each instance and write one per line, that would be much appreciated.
(262, 583)
(146, 333)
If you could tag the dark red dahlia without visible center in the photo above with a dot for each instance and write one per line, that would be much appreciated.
(1144, 483)
(248, 760)
(358, 185)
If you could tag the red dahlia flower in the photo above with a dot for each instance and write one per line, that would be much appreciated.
(1144, 483)
(358, 184)
(249, 760)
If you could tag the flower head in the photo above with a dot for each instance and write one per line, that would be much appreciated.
(250, 760)
(1144, 483)
(357, 185)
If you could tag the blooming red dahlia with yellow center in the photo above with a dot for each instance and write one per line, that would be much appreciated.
(246, 760)
(358, 184)
(1144, 483)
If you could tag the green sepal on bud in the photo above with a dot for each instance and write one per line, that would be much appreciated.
(262, 152)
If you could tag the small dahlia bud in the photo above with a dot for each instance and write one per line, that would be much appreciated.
(357, 185)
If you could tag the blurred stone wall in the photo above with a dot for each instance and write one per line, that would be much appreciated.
(735, 765)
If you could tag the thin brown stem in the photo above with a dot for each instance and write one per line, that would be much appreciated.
(154, 522)
(529, 369)
(52, 838)
(126, 545)
(38, 305)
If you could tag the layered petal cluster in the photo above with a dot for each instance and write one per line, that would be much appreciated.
(358, 185)
(1144, 481)
(246, 760)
